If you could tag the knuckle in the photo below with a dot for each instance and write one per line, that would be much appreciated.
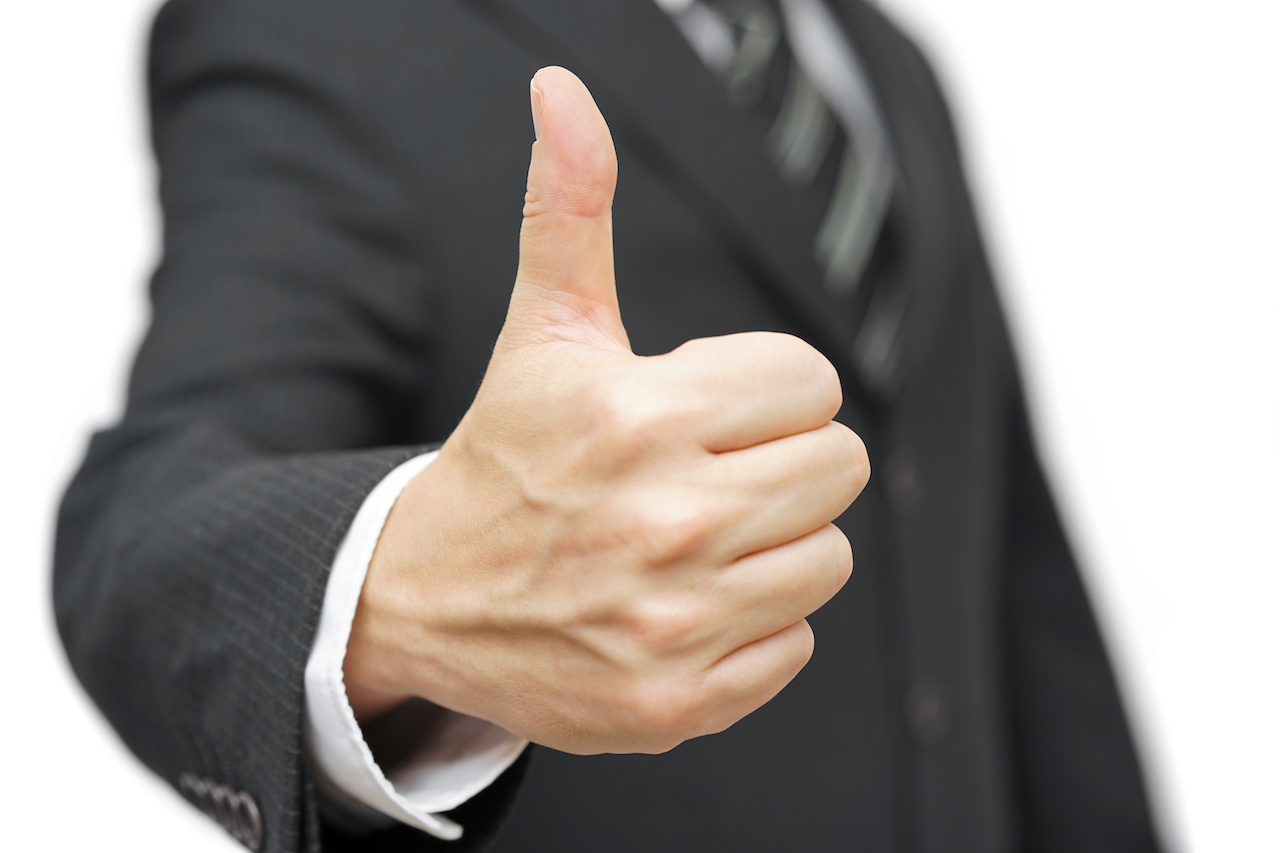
(842, 559)
(794, 652)
(669, 531)
(664, 628)
(804, 645)
(631, 415)
(660, 712)
(613, 403)
(826, 382)
(815, 372)
(827, 567)
(853, 459)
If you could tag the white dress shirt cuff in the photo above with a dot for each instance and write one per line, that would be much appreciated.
(453, 760)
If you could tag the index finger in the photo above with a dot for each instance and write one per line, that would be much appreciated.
(752, 387)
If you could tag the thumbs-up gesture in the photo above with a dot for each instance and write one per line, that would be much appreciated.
(612, 553)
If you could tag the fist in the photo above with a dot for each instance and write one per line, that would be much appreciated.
(611, 553)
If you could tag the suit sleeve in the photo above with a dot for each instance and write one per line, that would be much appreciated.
(281, 379)
(1081, 786)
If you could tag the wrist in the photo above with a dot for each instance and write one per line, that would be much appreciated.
(369, 703)
(386, 660)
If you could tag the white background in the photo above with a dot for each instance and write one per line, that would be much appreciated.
(1125, 154)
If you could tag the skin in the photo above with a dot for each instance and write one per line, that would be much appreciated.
(612, 553)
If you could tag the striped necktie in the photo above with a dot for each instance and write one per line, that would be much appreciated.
(825, 105)
(785, 62)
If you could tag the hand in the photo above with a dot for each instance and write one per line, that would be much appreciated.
(611, 553)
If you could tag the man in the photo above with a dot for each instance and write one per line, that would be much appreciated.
(610, 553)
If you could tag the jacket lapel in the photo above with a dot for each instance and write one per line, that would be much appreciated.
(661, 102)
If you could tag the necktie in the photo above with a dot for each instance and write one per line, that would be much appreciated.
(825, 106)
(785, 62)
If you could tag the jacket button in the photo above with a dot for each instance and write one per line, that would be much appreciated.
(187, 784)
(249, 822)
(198, 791)
(927, 712)
(236, 812)
(224, 805)
(902, 483)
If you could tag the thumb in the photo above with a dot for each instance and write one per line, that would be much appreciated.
(564, 286)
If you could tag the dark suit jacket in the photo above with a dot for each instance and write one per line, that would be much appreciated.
(341, 185)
